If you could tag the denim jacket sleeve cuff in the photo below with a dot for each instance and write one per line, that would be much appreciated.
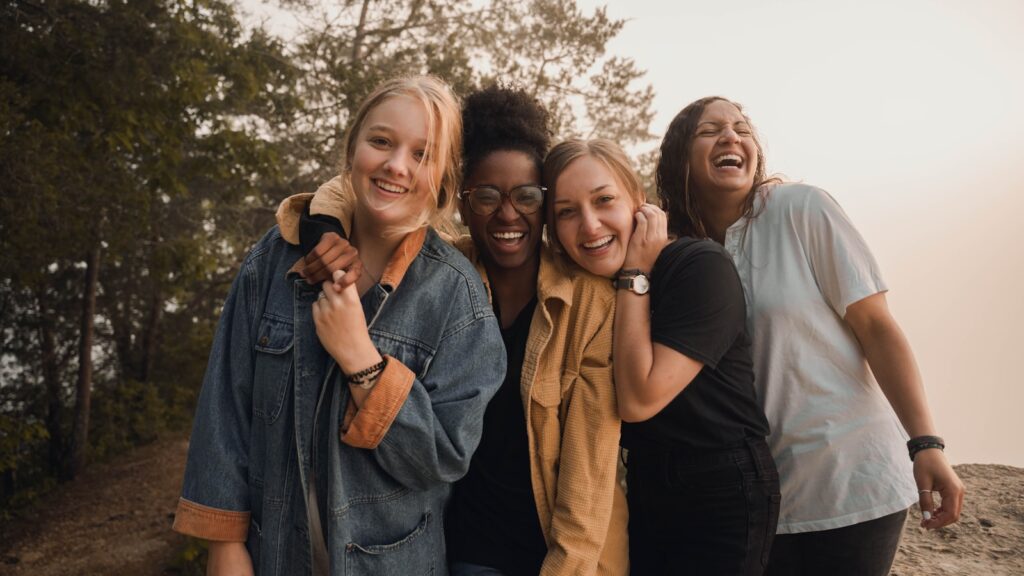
(372, 421)
(210, 523)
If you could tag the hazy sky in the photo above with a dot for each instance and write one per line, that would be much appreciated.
(909, 113)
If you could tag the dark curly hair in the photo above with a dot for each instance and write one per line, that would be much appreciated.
(678, 199)
(501, 118)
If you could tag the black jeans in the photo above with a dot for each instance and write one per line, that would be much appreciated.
(865, 549)
(702, 513)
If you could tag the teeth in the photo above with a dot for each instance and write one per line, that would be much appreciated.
(598, 243)
(390, 187)
(508, 235)
(727, 157)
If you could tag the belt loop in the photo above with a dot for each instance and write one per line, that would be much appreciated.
(755, 454)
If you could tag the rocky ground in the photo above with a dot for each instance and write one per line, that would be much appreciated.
(116, 520)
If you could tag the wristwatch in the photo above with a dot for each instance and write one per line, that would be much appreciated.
(633, 280)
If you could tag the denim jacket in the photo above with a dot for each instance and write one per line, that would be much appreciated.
(387, 467)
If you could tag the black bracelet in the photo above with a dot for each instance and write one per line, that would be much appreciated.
(918, 443)
(367, 373)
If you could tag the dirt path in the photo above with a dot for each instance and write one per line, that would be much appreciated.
(116, 520)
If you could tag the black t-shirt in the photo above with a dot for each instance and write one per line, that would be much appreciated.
(698, 309)
(492, 519)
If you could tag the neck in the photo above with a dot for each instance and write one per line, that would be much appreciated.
(376, 246)
(513, 288)
(721, 214)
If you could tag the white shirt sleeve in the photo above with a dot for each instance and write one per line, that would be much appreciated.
(842, 263)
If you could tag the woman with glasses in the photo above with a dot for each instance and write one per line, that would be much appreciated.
(541, 495)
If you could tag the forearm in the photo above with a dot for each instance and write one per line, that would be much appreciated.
(633, 353)
(891, 360)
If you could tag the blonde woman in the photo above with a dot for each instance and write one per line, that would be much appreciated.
(332, 422)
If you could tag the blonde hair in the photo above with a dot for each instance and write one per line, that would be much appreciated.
(604, 151)
(444, 141)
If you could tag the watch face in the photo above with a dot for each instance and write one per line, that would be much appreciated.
(641, 284)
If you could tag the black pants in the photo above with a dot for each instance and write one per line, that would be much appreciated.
(865, 549)
(702, 513)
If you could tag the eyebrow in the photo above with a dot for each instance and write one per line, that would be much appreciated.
(389, 130)
(714, 123)
(592, 192)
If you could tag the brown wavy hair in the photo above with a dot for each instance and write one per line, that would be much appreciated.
(675, 191)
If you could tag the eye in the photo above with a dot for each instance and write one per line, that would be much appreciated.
(564, 213)
(604, 199)
(419, 155)
(378, 141)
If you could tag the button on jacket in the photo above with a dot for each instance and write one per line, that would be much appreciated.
(387, 467)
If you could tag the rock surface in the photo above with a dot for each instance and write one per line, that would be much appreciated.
(116, 520)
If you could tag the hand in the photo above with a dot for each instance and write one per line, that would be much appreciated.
(341, 326)
(228, 559)
(649, 238)
(933, 473)
(331, 255)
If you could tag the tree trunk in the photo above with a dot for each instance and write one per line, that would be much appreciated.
(83, 388)
(54, 405)
(149, 337)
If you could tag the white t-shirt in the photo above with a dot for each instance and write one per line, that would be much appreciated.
(839, 447)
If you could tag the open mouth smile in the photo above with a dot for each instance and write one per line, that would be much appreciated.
(728, 160)
(599, 243)
(508, 236)
(389, 187)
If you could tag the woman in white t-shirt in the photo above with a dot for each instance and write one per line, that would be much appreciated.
(822, 334)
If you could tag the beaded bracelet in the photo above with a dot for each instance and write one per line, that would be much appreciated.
(367, 374)
(918, 443)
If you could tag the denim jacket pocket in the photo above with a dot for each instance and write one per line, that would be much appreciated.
(273, 368)
(413, 553)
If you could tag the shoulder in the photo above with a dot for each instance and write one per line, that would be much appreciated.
(449, 271)
(685, 250)
(271, 251)
(691, 259)
(797, 198)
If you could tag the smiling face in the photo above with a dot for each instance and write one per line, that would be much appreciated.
(593, 215)
(723, 156)
(505, 238)
(389, 177)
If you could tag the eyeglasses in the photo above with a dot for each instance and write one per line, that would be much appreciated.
(486, 200)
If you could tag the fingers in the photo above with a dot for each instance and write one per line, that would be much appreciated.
(331, 254)
(640, 230)
(657, 222)
(935, 476)
(344, 278)
(948, 512)
(927, 503)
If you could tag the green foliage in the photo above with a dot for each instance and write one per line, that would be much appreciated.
(164, 133)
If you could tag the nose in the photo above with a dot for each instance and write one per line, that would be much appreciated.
(730, 135)
(397, 163)
(506, 212)
(589, 222)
